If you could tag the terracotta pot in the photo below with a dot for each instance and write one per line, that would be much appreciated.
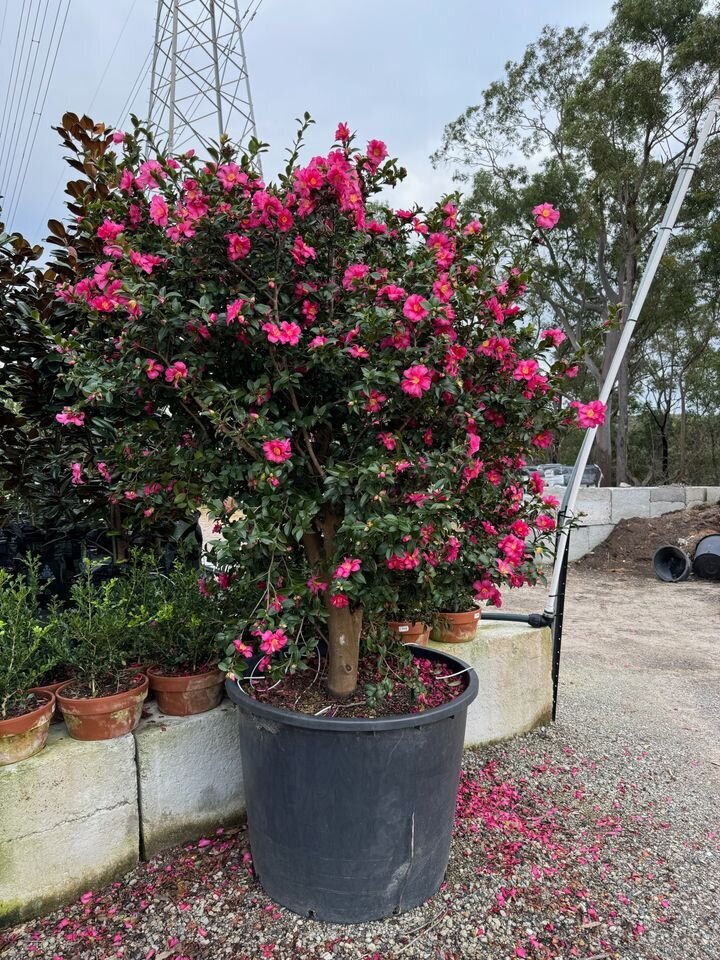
(411, 632)
(53, 689)
(182, 696)
(456, 627)
(103, 718)
(21, 737)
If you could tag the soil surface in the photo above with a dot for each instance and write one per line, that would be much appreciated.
(24, 704)
(296, 693)
(80, 690)
(633, 542)
(595, 837)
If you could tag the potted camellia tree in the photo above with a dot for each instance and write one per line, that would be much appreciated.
(105, 697)
(26, 654)
(346, 386)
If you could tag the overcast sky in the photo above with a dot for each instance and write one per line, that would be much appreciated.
(397, 70)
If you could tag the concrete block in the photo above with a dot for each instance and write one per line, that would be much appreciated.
(598, 533)
(673, 494)
(189, 776)
(629, 502)
(712, 494)
(513, 663)
(69, 823)
(659, 507)
(579, 543)
(695, 495)
(596, 504)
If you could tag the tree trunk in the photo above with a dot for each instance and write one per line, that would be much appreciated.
(683, 433)
(621, 425)
(603, 447)
(344, 627)
(344, 624)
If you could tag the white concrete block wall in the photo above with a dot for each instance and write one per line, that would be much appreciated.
(604, 507)
(68, 822)
(513, 664)
(189, 775)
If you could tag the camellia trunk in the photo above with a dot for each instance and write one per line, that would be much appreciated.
(344, 628)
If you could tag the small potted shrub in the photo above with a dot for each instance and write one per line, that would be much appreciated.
(105, 697)
(25, 713)
(180, 641)
(345, 386)
(456, 609)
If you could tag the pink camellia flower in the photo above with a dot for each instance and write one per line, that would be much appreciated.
(392, 292)
(69, 416)
(130, 495)
(302, 252)
(315, 585)
(272, 641)
(342, 134)
(387, 440)
(230, 175)
(109, 230)
(543, 440)
(405, 561)
(118, 136)
(416, 380)
(358, 352)
(104, 472)
(525, 369)
(375, 400)
(153, 369)
(339, 600)
(349, 566)
(546, 216)
(376, 152)
(77, 474)
(159, 211)
(520, 529)
(242, 648)
(555, 334)
(472, 228)
(238, 247)
(413, 308)
(590, 414)
(317, 342)
(234, 310)
(277, 451)
(283, 332)
(355, 272)
(175, 372)
(545, 522)
(284, 221)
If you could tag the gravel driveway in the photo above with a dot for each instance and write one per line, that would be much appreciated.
(596, 838)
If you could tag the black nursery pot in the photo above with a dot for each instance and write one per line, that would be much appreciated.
(351, 820)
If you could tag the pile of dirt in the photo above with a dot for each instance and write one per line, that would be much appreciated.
(631, 545)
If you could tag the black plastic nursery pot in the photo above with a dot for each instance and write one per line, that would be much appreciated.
(351, 820)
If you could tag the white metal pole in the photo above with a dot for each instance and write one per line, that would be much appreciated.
(682, 184)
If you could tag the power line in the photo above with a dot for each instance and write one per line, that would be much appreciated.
(15, 105)
(112, 54)
(14, 74)
(38, 113)
(23, 102)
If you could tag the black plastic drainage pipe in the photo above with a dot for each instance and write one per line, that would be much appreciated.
(532, 619)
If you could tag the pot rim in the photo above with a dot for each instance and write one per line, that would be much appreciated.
(366, 724)
(28, 720)
(110, 699)
(155, 672)
(475, 613)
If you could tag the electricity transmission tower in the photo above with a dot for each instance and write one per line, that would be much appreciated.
(199, 83)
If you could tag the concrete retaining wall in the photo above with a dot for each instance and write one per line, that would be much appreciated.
(513, 664)
(605, 507)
